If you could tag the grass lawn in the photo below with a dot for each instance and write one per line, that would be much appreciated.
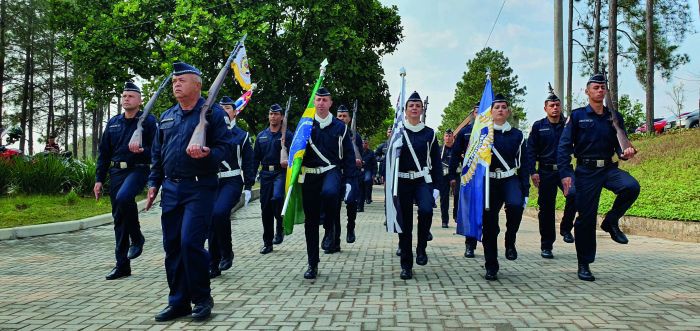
(39, 209)
(668, 170)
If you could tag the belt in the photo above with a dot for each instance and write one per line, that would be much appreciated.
(549, 166)
(317, 170)
(126, 165)
(503, 174)
(230, 173)
(594, 163)
(412, 174)
(187, 179)
(271, 167)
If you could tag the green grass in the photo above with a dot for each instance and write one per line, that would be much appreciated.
(24, 210)
(668, 170)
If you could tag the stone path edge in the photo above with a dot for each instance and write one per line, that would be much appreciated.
(686, 231)
(76, 225)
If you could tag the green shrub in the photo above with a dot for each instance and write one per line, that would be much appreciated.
(81, 176)
(45, 174)
(5, 175)
(71, 198)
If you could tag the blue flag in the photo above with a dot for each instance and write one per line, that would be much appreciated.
(474, 179)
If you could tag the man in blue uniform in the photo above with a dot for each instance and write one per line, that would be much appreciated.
(542, 147)
(328, 150)
(188, 175)
(458, 150)
(236, 174)
(445, 156)
(591, 136)
(268, 146)
(380, 154)
(128, 172)
(352, 200)
(369, 170)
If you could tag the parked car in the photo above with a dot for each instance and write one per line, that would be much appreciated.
(688, 120)
(659, 124)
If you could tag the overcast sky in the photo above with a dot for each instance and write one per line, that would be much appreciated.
(440, 36)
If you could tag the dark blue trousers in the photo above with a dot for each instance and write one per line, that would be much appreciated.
(589, 184)
(321, 193)
(410, 191)
(228, 195)
(445, 201)
(187, 209)
(366, 183)
(125, 184)
(502, 192)
(351, 204)
(271, 201)
(546, 199)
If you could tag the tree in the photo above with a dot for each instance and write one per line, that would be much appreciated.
(469, 89)
(677, 94)
(632, 112)
(287, 40)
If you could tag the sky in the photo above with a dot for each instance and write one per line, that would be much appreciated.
(441, 36)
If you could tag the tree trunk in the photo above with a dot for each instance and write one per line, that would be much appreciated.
(75, 120)
(50, 127)
(612, 52)
(66, 115)
(119, 105)
(95, 124)
(25, 97)
(3, 14)
(596, 38)
(650, 65)
(82, 114)
(569, 57)
(30, 121)
(558, 48)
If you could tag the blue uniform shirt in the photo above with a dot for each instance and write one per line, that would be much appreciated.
(427, 151)
(268, 145)
(334, 143)
(114, 145)
(169, 154)
(587, 135)
(543, 143)
(458, 149)
(242, 156)
(369, 161)
(511, 146)
(446, 158)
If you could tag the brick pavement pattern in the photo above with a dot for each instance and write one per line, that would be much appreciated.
(57, 282)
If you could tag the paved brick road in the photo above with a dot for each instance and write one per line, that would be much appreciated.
(57, 282)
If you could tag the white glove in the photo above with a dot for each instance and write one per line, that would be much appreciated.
(348, 188)
(246, 196)
(436, 193)
(525, 204)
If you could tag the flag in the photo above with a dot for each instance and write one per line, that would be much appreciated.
(473, 191)
(241, 69)
(292, 209)
(393, 152)
(242, 101)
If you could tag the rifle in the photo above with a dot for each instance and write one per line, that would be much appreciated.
(619, 131)
(199, 135)
(353, 132)
(137, 137)
(284, 153)
(425, 110)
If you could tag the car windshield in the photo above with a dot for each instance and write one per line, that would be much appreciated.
(671, 118)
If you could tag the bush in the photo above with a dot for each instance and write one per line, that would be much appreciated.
(46, 174)
(81, 176)
(5, 175)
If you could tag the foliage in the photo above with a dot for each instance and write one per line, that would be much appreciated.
(287, 40)
(632, 112)
(672, 23)
(40, 175)
(5, 175)
(470, 88)
(667, 169)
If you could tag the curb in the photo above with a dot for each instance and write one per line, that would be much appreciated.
(688, 231)
(28, 231)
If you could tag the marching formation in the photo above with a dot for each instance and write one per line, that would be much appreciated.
(203, 164)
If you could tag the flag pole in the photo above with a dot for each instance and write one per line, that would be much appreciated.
(487, 205)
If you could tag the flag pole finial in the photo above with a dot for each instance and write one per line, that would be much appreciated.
(323, 65)
(488, 73)
(402, 72)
